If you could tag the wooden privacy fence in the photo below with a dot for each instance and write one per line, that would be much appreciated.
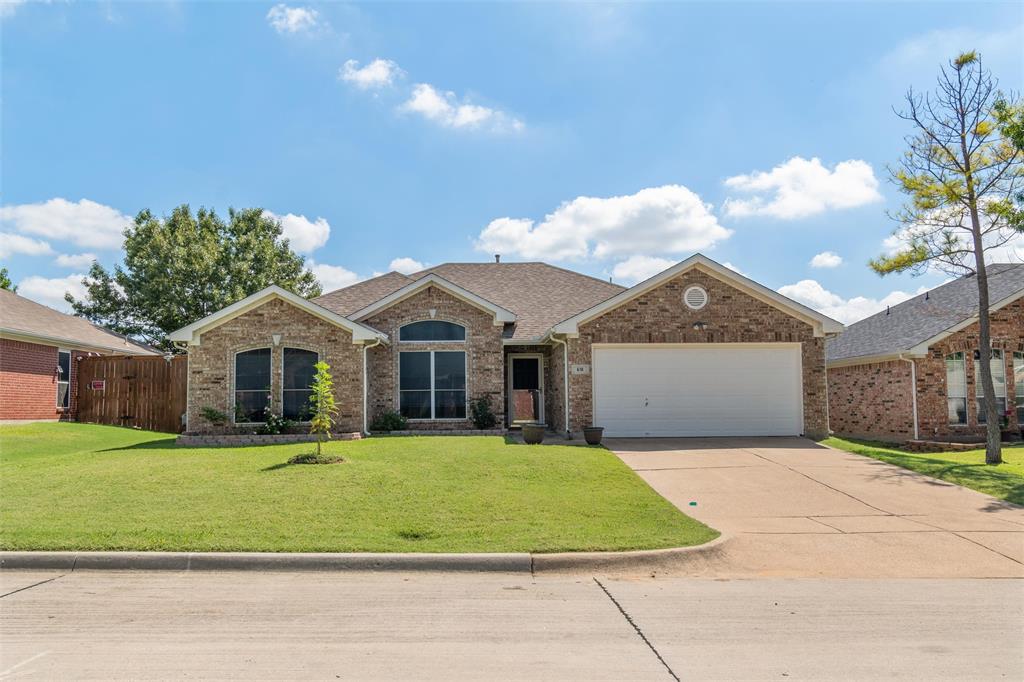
(144, 392)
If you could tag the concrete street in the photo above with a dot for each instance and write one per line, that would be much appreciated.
(147, 625)
(798, 509)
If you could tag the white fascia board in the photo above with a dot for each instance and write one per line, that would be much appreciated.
(501, 315)
(922, 348)
(822, 324)
(44, 340)
(191, 334)
(872, 359)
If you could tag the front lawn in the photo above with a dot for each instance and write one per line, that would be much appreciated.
(968, 468)
(89, 487)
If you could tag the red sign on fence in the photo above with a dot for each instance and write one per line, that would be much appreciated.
(98, 384)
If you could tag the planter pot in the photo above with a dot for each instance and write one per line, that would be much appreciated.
(533, 434)
(593, 434)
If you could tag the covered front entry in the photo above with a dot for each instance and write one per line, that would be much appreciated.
(526, 388)
(724, 389)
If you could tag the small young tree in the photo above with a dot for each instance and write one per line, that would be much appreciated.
(962, 175)
(322, 401)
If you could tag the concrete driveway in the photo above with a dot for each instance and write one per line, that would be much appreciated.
(798, 509)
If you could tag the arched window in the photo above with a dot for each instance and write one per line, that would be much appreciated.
(299, 369)
(252, 385)
(432, 330)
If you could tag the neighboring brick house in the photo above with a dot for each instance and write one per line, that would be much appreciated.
(39, 353)
(696, 350)
(910, 372)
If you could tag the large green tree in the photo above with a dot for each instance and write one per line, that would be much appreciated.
(187, 265)
(961, 174)
(5, 281)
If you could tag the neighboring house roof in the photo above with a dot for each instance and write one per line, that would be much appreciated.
(192, 333)
(910, 327)
(822, 324)
(27, 320)
(539, 295)
(501, 315)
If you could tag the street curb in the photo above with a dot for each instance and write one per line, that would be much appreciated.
(520, 562)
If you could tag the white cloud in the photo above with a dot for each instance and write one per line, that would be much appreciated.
(11, 244)
(78, 260)
(377, 74)
(799, 188)
(51, 291)
(638, 268)
(666, 219)
(292, 20)
(406, 266)
(85, 223)
(333, 277)
(304, 235)
(812, 294)
(826, 259)
(443, 109)
(9, 7)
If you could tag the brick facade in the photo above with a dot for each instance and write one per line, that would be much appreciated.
(28, 381)
(731, 316)
(211, 364)
(886, 411)
(485, 368)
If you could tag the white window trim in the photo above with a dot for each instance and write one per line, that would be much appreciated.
(234, 391)
(465, 332)
(433, 390)
(65, 381)
(979, 393)
(949, 396)
(319, 358)
(1018, 386)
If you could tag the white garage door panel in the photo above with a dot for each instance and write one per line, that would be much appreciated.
(715, 390)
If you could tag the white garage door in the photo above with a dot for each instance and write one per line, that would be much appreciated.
(698, 390)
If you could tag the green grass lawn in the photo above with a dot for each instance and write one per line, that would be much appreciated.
(1005, 481)
(89, 487)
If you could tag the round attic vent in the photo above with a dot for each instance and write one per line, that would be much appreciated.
(695, 298)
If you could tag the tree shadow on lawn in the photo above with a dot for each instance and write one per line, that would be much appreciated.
(996, 483)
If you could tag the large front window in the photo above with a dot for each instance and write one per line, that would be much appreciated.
(956, 388)
(432, 384)
(299, 369)
(1018, 385)
(252, 385)
(63, 378)
(998, 381)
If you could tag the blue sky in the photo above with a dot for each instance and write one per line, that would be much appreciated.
(612, 139)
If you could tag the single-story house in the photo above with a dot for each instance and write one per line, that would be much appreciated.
(697, 350)
(39, 351)
(911, 371)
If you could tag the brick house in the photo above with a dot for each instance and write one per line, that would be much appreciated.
(39, 353)
(910, 372)
(695, 350)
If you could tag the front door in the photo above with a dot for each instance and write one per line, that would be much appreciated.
(526, 388)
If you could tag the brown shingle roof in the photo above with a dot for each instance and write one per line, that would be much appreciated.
(356, 297)
(21, 316)
(539, 294)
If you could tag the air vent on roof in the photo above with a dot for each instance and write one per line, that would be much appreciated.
(695, 298)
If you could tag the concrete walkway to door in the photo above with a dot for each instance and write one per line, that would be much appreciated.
(795, 508)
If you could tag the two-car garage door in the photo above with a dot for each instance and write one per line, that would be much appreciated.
(698, 389)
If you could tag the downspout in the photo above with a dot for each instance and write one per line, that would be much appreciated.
(366, 388)
(913, 392)
(565, 379)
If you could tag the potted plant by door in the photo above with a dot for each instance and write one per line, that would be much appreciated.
(593, 434)
(533, 434)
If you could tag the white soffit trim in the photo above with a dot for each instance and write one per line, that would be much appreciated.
(822, 324)
(871, 359)
(922, 348)
(191, 333)
(501, 315)
(44, 340)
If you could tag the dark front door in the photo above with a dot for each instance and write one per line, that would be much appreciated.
(527, 400)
